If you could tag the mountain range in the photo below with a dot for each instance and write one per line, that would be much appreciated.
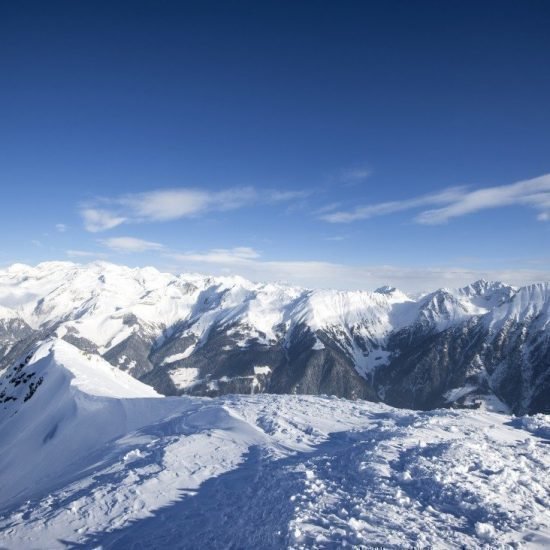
(487, 344)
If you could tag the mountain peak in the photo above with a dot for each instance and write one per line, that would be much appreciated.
(385, 289)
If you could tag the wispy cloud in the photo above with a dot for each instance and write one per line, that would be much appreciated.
(457, 201)
(284, 196)
(390, 207)
(84, 254)
(353, 176)
(163, 205)
(96, 220)
(249, 263)
(61, 227)
(171, 204)
(534, 193)
(327, 208)
(336, 238)
(130, 244)
(222, 256)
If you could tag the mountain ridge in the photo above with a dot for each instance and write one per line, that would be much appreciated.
(94, 458)
(207, 335)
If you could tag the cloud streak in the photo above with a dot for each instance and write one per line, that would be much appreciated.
(221, 256)
(249, 263)
(384, 208)
(353, 176)
(130, 244)
(456, 202)
(534, 193)
(84, 254)
(96, 220)
(164, 205)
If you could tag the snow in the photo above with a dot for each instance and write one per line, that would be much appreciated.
(184, 377)
(106, 304)
(318, 345)
(92, 456)
(97, 459)
(90, 374)
(322, 308)
(447, 307)
(7, 313)
(530, 301)
(457, 393)
(95, 299)
(179, 356)
(265, 370)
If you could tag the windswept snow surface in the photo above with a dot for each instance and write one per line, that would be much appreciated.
(96, 459)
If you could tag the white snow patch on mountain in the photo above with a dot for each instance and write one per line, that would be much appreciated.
(6, 313)
(178, 356)
(528, 303)
(184, 377)
(258, 369)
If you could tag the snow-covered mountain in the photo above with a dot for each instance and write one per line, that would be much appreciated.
(216, 335)
(92, 458)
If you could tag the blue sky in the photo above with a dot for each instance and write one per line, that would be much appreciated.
(346, 144)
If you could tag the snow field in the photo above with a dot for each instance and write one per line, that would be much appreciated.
(97, 459)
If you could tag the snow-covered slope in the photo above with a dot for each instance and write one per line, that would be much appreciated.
(95, 301)
(142, 320)
(447, 307)
(13, 329)
(517, 350)
(215, 335)
(528, 303)
(56, 405)
(95, 459)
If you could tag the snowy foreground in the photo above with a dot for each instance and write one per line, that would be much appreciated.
(96, 459)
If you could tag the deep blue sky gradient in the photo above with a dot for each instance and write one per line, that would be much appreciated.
(101, 99)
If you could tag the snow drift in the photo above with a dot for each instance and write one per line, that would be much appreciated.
(91, 457)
